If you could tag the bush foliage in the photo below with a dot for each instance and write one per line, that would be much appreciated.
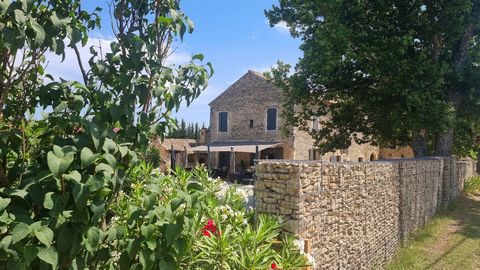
(74, 191)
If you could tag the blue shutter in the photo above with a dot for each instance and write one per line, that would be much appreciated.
(222, 121)
(272, 119)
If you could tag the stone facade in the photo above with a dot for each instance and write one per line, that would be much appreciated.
(398, 152)
(356, 215)
(247, 99)
(246, 103)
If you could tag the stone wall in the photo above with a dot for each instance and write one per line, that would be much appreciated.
(356, 215)
(398, 152)
(245, 100)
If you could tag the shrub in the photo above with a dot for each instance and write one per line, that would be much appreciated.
(472, 185)
(180, 222)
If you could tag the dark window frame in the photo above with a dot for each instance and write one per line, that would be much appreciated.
(269, 123)
(222, 127)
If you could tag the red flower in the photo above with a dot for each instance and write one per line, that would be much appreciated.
(77, 129)
(210, 228)
(273, 266)
(116, 130)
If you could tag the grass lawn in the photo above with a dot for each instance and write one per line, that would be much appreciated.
(449, 241)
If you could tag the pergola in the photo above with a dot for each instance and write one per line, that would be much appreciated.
(233, 147)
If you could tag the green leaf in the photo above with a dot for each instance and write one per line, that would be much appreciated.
(111, 160)
(95, 135)
(75, 37)
(4, 202)
(172, 232)
(19, 16)
(109, 146)
(39, 33)
(63, 241)
(93, 239)
(167, 264)
(98, 209)
(147, 232)
(78, 263)
(58, 47)
(123, 151)
(133, 246)
(49, 255)
(87, 157)
(4, 6)
(103, 167)
(73, 176)
(191, 26)
(5, 243)
(80, 195)
(30, 252)
(48, 202)
(198, 56)
(58, 165)
(44, 235)
(181, 246)
(114, 46)
(175, 203)
(147, 259)
(19, 193)
(95, 182)
(19, 232)
(59, 23)
(61, 107)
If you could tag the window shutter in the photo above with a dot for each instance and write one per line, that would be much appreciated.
(222, 121)
(272, 119)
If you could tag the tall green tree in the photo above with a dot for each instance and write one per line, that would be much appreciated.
(60, 173)
(182, 130)
(388, 72)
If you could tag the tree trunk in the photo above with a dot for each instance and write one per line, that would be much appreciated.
(444, 143)
(419, 143)
(3, 178)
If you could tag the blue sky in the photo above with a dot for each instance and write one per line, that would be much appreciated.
(234, 35)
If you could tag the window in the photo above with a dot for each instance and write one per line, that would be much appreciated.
(251, 123)
(344, 151)
(272, 119)
(315, 154)
(222, 121)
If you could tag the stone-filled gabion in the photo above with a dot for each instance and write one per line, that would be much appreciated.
(356, 215)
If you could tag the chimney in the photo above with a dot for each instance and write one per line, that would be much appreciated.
(202, 136)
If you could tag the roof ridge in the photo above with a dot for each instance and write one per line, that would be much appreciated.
(229, 87)
(256, 73)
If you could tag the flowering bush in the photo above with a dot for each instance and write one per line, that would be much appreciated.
(181, 222)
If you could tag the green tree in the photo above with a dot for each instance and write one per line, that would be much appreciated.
(61, 173)
(388, 72)
(183, 130)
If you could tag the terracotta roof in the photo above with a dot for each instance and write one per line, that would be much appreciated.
(178, 144)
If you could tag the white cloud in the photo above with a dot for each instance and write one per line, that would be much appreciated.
(178, 57)
(282, 27)
(70, 70)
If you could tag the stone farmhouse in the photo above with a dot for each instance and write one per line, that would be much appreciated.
(246, 116)
(248, 113)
